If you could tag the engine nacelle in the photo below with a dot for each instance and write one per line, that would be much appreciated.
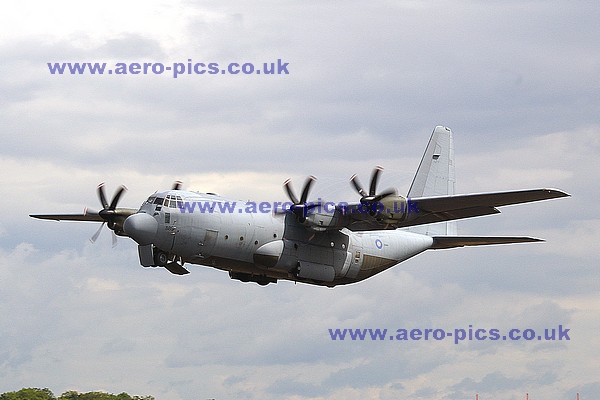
(320, 219)
(392, 209)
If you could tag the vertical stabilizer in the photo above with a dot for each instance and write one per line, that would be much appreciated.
(435, 177)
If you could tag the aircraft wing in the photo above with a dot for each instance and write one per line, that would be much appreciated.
(446, 208)
(492, 199)
(90, 216)
(428, 210)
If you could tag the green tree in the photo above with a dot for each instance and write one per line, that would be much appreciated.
(93, 396)
(72, 395)
(29, 394)
(46, 394)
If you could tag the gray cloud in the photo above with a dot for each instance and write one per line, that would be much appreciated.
(517, 82)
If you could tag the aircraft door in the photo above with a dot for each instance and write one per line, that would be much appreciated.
(208, 244)
(170, 228)
(347, 264)
(355, 253)
(179, 225)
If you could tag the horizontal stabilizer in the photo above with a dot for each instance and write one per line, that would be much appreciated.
(448, 242)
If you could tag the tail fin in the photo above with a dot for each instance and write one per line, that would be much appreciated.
(435, 177)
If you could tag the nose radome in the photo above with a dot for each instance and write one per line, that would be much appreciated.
(141, 227)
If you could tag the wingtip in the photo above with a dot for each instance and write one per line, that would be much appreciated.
(534, 239)
(557, 192)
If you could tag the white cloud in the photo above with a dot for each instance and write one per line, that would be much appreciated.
(86, 27)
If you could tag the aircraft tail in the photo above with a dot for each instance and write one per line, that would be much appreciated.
(435, 177)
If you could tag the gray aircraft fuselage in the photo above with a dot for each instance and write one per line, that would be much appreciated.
(264, 247)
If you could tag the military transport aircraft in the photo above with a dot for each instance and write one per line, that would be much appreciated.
(311, 242)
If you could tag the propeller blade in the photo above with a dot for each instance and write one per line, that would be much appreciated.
(299, 207)
(95, 237)
(116, 197)
(372, 197)
(176, 185)
(109, 213)
(309, 182)
(290, 191)
(385, 193)
(374, 178)
(102, 196)
(114, 239)
(89, 212)
(354, 180)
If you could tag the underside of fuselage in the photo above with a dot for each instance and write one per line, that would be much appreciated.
(329, 260)
(247, 272)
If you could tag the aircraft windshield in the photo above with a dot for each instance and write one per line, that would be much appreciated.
(172, 201)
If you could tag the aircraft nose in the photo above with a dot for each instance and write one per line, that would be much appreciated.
(141, 227)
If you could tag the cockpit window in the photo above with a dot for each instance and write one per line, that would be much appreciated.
(158, 200)
(172, 201)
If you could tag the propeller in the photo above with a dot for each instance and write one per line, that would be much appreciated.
(109, 212)
(372, 196)
(300, 208)
(176, 185)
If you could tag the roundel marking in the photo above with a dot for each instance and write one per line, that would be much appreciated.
(378, 243)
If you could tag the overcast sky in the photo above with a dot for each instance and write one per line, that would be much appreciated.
(518, 83)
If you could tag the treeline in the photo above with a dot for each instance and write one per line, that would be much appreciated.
(46, 394)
